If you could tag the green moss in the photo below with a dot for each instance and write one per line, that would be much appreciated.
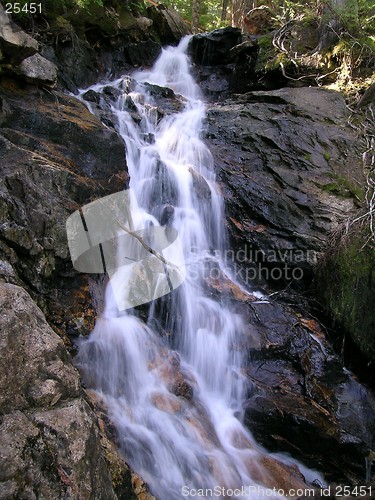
(334, 188)
(269, 57)
(62, 25)
(346, 287)
(267, 52)
(343, 186)
(327, 155)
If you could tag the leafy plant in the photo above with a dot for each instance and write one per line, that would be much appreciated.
(86, 4)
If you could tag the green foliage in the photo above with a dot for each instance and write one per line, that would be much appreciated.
(342, 186)
(211, 15)
(210, 12)
(289, 9)
(267, 53)
(352, 56)
(86, 4)
(349, 264)
(184, 8)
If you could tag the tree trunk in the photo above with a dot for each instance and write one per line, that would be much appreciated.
(240, 8)
(224, 10)
(195, 15)
(337, 15)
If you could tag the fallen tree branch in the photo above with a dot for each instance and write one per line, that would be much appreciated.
(295, 79)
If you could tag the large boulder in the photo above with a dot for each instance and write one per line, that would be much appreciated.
(213, 48)
(167, 24)
(224, 61)
(19, 56)
(50, 442)
(37, 69)
(15, 44)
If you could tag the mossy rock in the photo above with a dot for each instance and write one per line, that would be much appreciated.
(110, 18)
(345, 283)
(266, 55)
(270, 59)
(342, 185)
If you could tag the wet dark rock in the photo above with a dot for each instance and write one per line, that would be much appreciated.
(55, 159)
(301, 399)
(277, 154)
(213, 48)
(168, 25)
(225, 61)
(167, 215)
(91, 96)
(157, 91)
(112, 92)
(242, 49)
(165, 99)
(129, 104)
(142, 53)
(201, 188)
(77, 64)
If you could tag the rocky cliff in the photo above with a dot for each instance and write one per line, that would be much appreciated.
(296, 164)
(281, 157)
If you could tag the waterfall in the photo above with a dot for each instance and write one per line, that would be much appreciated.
(174, 385)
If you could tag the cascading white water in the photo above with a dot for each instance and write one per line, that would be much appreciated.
(177, 403)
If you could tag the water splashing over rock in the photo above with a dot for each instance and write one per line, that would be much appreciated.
(177, 399)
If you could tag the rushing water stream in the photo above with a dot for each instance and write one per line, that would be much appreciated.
(175, 387)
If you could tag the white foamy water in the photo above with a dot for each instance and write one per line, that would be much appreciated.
(175, 387)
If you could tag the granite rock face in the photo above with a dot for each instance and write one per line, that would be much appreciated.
(288, 166)
(15, 44)
(37, 69)
(19, 54)
(56, 156)
(50, 443)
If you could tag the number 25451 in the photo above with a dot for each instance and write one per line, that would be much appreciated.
(28, 8)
